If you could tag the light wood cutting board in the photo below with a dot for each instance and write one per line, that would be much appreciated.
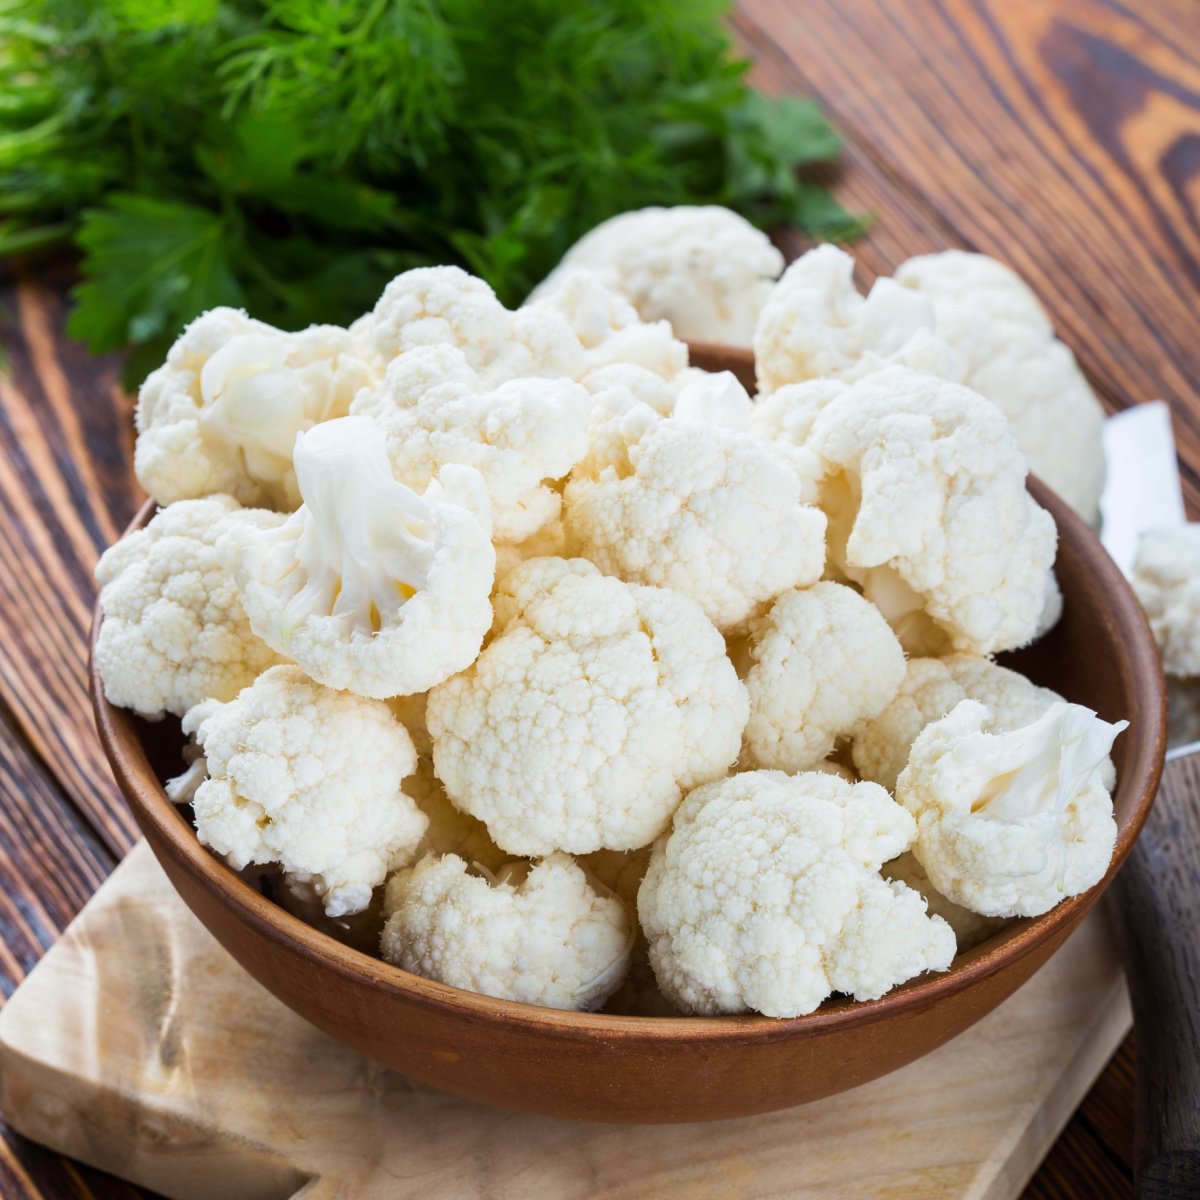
(139, 1046)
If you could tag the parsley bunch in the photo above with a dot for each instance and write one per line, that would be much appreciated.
(291, 156)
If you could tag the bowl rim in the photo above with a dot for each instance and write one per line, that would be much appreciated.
(151, 806)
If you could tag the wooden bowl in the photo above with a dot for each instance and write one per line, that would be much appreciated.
(642, 1069)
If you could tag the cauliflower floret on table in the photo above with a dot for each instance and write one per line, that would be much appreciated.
(368, 586)
(970, 928)
(1166, 577)
(588, 715)
(930, 689)
(924, 488)
(992, 319)
(310, 779)
(223, 412)
(520, 436)
(703, 268)
(714, 514)
(546, 937)
(174, 631)
(1009, 824)
(767, 896)
(825, 661)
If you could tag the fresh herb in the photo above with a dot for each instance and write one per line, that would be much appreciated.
(293, 155)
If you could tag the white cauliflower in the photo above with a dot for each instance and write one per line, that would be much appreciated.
(767, 896)
(310, 779)
(717, 515)
(520, 436)
(1166, 577)
(787, 414)
(174, 631)
(970, 929)
(1009, 824)
(369, 586)
(543, 938)
(704, 269)
(825, 661)
(816, 325)
(1009, 354)
(931, 688)
(924, 488)
(223, 412)
(549, 542)
(585, 719)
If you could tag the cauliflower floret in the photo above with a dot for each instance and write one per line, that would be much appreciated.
(816, 326)
(931, 688)
(1009, 824)
(544, 938)
(174, 631)
(1006, 342)
(714, 514)
(223, 412)
(310, 779)
(1166, 577)
(369, 586)
(970, 929)
(585, 719)
(787, 415)
(520, 436)
(825, 660)
(925, 491)
(767, 896)
(704, 269)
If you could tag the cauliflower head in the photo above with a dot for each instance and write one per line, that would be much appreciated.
(1166, 577)
(703, 268)
(174, 631)
(970, 929)
(1009, 824)
(924, 487)
(825, 661)
(519, 436)
(223, 412)
(545, 937)
(586, 718)
(368, 586)
(767, 896)
(310, 779)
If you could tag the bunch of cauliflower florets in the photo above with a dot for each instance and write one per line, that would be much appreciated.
(513, 647)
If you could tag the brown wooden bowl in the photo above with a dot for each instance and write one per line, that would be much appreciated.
(644, 1069)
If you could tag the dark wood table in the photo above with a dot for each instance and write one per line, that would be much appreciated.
(1060, 135)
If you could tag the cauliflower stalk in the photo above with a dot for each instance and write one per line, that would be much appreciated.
(1166, 577)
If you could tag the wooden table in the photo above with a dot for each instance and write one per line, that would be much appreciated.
(1061, 135)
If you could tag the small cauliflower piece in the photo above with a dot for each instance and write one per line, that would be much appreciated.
(1006, 342)
(1166, 577)
(295, 894)
(174, 631)
(520, 436)
(716, 515)
(1009, 824)
(310, 779)
(223, 412)
(368, 586)
(816, 325)
(924, 488)
(703, 268)
(970, 929)
(543, 938)
(825, 661)
(767, 896)
(931, 688)
(588, 715)
(787, 415)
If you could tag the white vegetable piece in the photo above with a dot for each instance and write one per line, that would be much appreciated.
(368, 586)
(787, 414)
(704, 269)
(1009, 824)
(520, 436)
(585, 719)
(223, 412)
(825, 660)
(767, 896)
(543, 938)
(970, 929)
(310, 779)
(1166, 577)
(174, 631)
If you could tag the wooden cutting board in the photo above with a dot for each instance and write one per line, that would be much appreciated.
(139, 1046)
